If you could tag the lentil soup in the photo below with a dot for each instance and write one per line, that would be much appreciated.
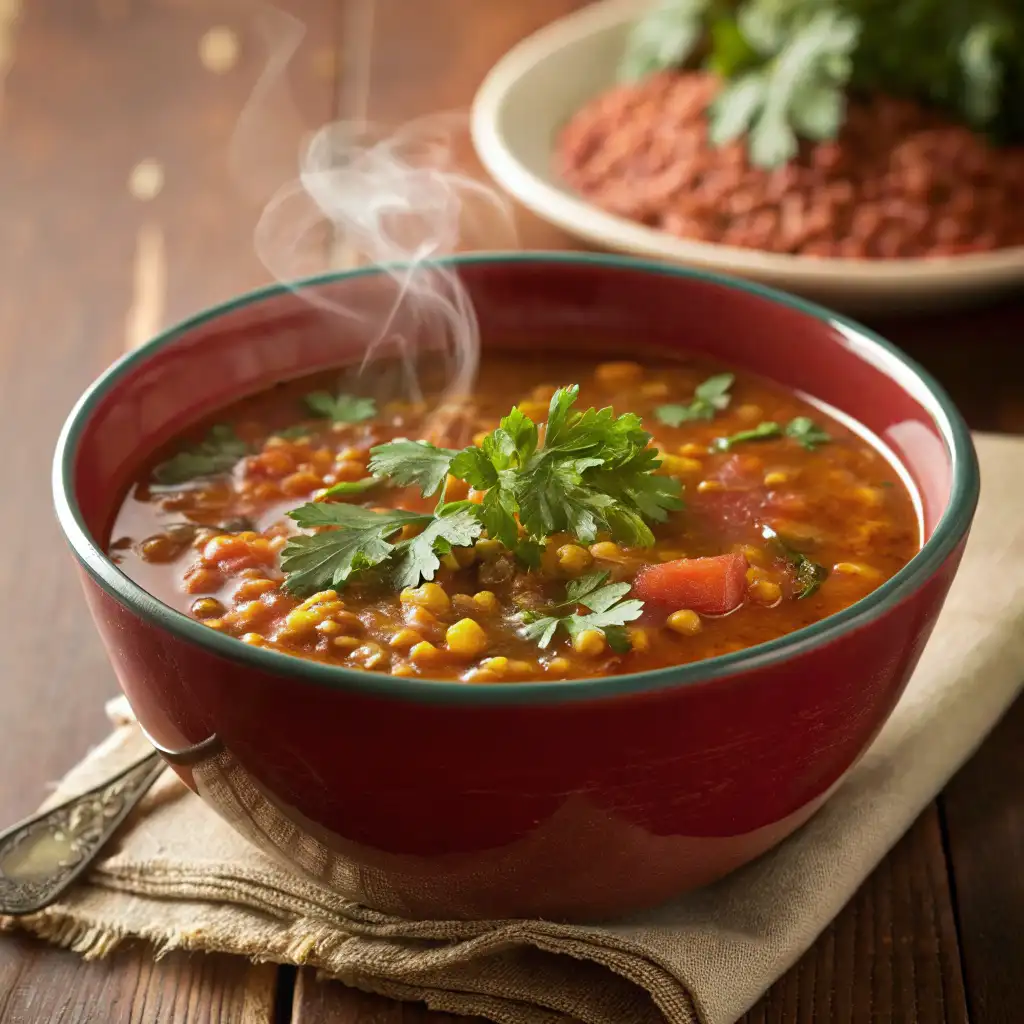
(561, 543)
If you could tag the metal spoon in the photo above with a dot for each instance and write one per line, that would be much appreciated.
(42, 856)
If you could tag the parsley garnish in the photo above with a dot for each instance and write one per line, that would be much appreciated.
(216, 453)
(361, 539)
(807, 432)
(593, 474)
(664, 38)
(341, 408)
(708, 398)
(802, 429)
(808, 575)
(787, 65)
(295, 432)
(413, 463)
(762, 432)
(608, 613)
(795, 88)
(343, 487)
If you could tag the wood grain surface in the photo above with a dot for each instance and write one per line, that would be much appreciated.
(129, 200)
(91, 91)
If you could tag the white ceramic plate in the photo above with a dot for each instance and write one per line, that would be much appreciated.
(537, 86)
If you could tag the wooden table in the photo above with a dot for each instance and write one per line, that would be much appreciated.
(121, 212)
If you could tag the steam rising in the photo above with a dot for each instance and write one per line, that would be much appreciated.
(366, 196)
(397, 201)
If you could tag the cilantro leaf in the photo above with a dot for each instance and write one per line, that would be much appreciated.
(216, 453)
(360, 538)
(412, 462)
(293, 433)
(498, 512)
(808, 575)
(664, 38)
(609, 619)
(417, 558)
(343, 487)
(593, 473)
(709, 397)
(982, 69)
(798, 88)
(579, 588)
(762, 432)
(807, 432)
(608, 613)
(359, 541)
(341, 408)
(540, 630)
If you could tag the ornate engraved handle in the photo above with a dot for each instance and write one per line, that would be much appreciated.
(42, 855)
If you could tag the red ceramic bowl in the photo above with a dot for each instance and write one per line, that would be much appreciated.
(560, 799)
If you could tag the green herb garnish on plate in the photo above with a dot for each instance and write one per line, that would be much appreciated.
(787, 65)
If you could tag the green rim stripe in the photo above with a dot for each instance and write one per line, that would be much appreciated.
(948, 533)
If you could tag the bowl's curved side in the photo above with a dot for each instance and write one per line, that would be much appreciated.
(564, 799)
(538, 85)
(572, 811)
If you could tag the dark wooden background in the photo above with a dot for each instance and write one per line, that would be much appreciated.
(91, 260)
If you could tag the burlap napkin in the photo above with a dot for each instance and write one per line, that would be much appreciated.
(180, 878)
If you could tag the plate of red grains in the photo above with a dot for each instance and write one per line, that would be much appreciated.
(867, 155)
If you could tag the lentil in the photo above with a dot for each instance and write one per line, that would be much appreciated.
(841, 505)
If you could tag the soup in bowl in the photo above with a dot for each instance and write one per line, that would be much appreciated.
(602, 630)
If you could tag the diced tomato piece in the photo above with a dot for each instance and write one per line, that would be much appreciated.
(711, 586)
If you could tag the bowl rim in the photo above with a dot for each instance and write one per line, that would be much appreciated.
(566, 209)
(949, 531)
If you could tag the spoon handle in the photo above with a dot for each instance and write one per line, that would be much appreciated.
(42, 855)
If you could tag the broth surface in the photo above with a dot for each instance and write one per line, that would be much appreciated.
(839, 521)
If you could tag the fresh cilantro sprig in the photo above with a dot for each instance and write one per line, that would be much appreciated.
(608, 613)
(786, 65)
(807, 432)
(802, 429)
(413, 464)
(803, 54)
(665, 38)
(808, 575)
(594, 473)
(709, 397)
(344, 488)
(764, 431)
(217, 453)
(361, 538)
(341, 408)
(293, 433)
